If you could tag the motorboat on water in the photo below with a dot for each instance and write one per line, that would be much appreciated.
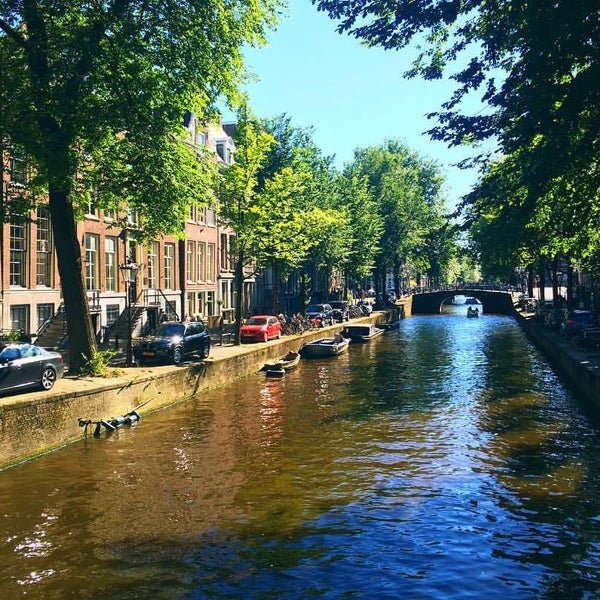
(325, 347)
(362, 333)
(472, 313)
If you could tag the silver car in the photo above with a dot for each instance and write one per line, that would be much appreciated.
(27, 366)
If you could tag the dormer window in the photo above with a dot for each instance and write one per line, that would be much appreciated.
(225, 150)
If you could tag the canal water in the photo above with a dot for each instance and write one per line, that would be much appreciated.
(442, 460)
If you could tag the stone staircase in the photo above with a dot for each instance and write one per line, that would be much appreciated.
(119, 330)
(53, 332)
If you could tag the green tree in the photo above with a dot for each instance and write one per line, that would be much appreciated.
(406, 189)
(365, 222)
(534, 64)
(259, 203)
(98, 91)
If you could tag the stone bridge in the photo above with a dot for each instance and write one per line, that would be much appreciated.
(496, 301)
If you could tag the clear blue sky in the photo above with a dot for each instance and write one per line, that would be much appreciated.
(353, 96)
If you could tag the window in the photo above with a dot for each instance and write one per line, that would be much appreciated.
(18, 255)
(193, 213)
(210, 262)
(132, 216)
(200, 138)
(19, 317)
(44, 312)
(152, 263)
(18, 168)
(110, 215)
(224, 261)
(210, 303)
(112, 313)
(189, 304)
(211, 217)
(44, 248)
(221, 150)
(91, 261)
(190, 261)
(201, 261)
(91, 210)
(225, 151)
(110, 264)
(169, 263)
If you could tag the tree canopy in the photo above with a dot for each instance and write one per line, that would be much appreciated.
(96, 93)
(535, 66)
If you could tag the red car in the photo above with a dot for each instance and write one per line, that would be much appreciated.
(261, 328)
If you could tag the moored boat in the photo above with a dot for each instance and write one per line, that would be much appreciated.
(279, 368)
(362, 333)
(472, 313)
(325, 347)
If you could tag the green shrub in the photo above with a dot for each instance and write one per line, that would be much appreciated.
(99, 364)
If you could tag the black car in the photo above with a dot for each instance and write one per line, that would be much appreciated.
(323, 313)
(340, 310)
(27, 366)
(173, 342)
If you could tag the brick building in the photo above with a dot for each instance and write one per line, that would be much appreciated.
(180, 278)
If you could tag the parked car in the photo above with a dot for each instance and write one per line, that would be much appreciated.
(173, 342)
(340, 310)
(28, 365)
(576, 322)
(261, 328)
(322, 313)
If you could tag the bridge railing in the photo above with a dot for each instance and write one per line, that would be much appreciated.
(465, 287)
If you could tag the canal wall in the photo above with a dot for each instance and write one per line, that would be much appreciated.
(38, 422)
(579, 368)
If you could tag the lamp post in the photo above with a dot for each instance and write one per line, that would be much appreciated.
(129, 273)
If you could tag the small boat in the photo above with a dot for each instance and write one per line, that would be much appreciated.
(472, 313)
(362, 333)
(471, 301)
(287, 363)
(278, 372)
(325, 347)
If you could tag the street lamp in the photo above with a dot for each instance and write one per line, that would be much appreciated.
(129, 272)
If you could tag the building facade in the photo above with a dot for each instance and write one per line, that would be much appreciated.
(183, 278)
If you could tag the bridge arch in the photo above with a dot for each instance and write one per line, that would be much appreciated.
(493, 301)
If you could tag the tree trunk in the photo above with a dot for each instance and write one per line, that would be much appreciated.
(82, 341)
(239, 294)
(275, 298)
(530, 281)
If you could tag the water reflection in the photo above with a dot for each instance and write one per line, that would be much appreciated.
(441, 460)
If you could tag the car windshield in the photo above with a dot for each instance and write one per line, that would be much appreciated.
(256, 321)
(315, 308)
(171, 330)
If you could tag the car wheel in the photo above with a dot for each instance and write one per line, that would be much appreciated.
(48, 378)
(205, 351)
(178, 355)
